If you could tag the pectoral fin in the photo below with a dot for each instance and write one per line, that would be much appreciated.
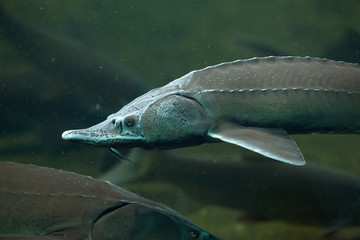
(118, 154)
(271, 142)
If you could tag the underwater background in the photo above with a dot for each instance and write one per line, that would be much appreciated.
(69, 64)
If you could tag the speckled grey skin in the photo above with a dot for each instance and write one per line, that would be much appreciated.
(252, 103)
(48, 204)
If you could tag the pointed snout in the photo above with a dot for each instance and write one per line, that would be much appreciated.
(102, 135)
(73, 135)
(67, 135)
(99, 135)
(89, 136)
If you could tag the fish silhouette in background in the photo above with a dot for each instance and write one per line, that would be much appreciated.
(252, 103)
(258, 47)
(266, 191)
(43, 203)
(64, 71)
(72, 62)
(347, 48)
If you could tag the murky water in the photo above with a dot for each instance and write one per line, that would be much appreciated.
(69, 64)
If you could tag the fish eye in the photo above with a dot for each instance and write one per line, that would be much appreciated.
(194, 234)
(129, 121)
(113, 121)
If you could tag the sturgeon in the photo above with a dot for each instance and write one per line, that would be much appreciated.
(43, 203)
(252, 103)
(316, 195)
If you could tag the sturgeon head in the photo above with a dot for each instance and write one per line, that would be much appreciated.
(160, 118)
(139, 221)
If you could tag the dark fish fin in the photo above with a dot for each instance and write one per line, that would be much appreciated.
(118, 154)
(349, 218)
(70, 235)
(335, 228)
(274, 143)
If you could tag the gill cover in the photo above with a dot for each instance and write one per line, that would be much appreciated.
(174, 121)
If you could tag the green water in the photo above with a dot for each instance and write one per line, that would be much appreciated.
(43, 94)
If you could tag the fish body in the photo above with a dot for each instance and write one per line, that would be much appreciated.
(296, 94)
(252, 103)
(38, 201)
(316, 194)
